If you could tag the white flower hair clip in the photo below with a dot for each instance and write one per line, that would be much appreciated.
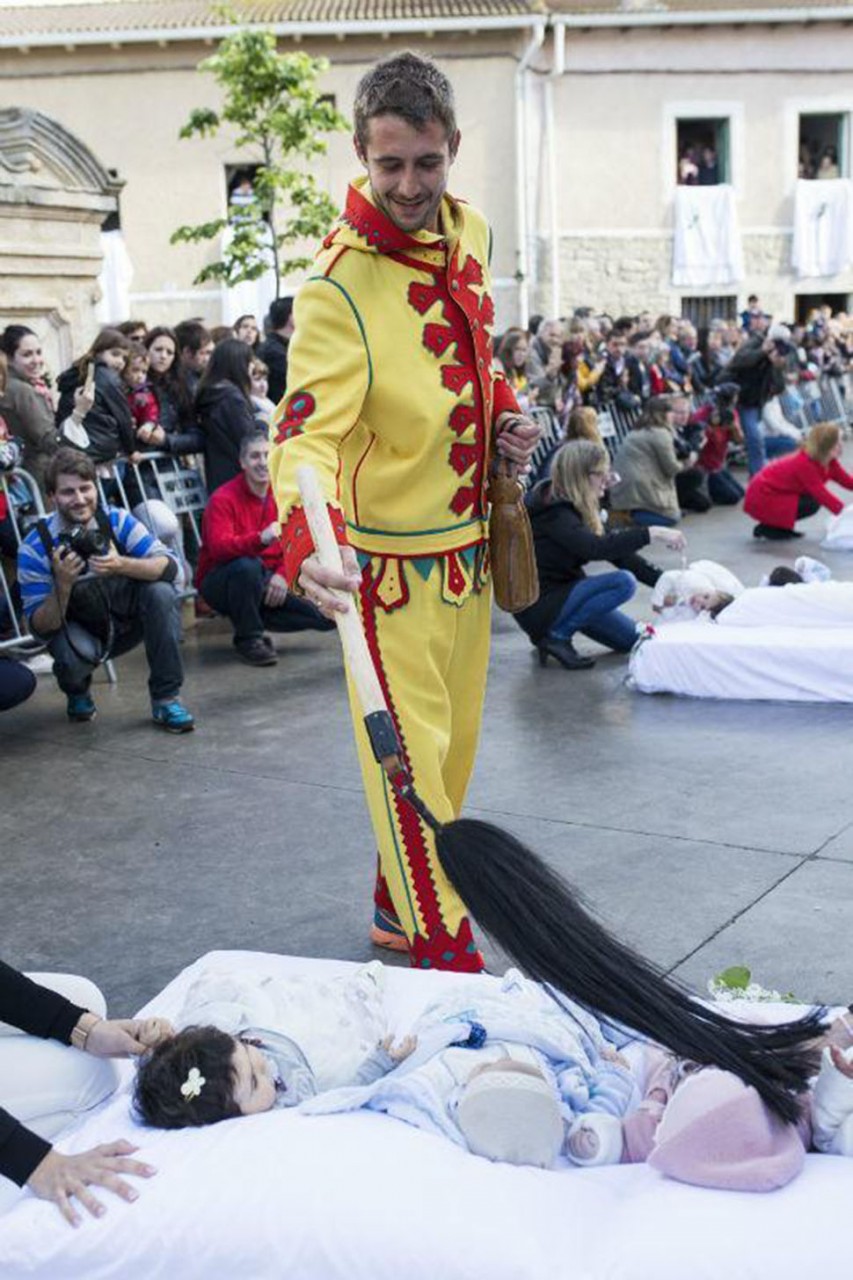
(191, 1088)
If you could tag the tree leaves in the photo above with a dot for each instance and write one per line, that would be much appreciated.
(272, 100)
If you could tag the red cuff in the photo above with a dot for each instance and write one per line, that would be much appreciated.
(298, 544)
(504, 400)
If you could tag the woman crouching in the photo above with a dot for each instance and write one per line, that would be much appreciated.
(568, 533)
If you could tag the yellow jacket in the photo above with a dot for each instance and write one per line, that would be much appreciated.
(391, 393)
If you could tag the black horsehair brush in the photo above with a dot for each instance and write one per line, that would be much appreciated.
(538, 920)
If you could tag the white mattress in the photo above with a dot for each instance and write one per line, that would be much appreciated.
(701, 659)
(363, 1197)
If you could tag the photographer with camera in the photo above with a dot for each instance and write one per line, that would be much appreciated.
(94, 583)
(758, 367)
(721, 424)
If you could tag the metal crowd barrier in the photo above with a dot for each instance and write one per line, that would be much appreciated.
(21, 517)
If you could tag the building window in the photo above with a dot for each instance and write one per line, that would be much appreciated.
(239, 185)
(823, 145)
(702, 152)
(807, 303)
(701, 311)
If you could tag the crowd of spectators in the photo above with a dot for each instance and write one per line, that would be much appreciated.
(204, 397)
(645, 419)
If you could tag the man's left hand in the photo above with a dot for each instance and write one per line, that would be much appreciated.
(276, 592)
(108, 566)
(516, 439)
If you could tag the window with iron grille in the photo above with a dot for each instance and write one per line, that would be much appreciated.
(701, 311)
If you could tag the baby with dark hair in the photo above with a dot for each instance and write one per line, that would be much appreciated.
(247, 1046)
(203, 1075)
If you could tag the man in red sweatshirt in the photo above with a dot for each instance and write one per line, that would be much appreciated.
(240, 571)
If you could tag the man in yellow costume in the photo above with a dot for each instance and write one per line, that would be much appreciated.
(392, 398)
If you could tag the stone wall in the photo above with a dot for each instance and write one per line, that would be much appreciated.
(54, 196)
(631, 273)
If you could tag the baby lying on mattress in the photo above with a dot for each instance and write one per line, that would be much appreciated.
(520, 1074)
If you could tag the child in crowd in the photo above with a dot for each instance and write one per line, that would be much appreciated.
(259, 375)
(141, 397)
(519, 1074)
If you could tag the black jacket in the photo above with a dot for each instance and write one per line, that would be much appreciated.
(273, 352)
(109, 422)
(563, 545)
(40, 1012)
(758, 379)
(225, 417)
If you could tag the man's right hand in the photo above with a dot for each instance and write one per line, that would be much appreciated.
(59, 1177)
(67, 567)
(271, 533)
(321, 586)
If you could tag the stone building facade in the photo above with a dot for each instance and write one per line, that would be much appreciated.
(571, 116)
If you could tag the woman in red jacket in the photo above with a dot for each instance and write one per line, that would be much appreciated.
(794, 487)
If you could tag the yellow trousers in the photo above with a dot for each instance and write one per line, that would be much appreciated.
(428, 626)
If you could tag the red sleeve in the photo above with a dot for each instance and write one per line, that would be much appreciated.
(813, 484)
(297, 541)
(839, 475)
(218, 535)
(504, 400)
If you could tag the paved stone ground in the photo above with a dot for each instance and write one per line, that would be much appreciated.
(708, 834)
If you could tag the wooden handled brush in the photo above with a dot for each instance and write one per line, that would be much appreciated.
(377, 718)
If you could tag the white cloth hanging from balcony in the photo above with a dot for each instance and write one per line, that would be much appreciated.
(823, 227)
(706, 246)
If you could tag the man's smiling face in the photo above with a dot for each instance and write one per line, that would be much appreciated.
(408, 169)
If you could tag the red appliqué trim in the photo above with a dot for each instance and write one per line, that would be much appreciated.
(297, 543)
(442, 951)
(414, 845)
(297, 410)
(372, 226)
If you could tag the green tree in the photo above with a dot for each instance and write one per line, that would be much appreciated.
(272, 101)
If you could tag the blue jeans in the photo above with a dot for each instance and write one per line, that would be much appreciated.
(724, 489)
(649, 518)
(760, 447)
(592, 607)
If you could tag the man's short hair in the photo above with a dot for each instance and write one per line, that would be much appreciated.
(250, 439)
(190, 335)
(408, 86)
(279, 313)
(69, 462)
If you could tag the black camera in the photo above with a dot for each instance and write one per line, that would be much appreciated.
(83, 542)
(726, 416)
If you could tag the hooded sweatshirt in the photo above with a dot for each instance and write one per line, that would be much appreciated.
(391, 392)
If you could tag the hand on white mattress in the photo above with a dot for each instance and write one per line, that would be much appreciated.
(672, 538)
(64, 1179)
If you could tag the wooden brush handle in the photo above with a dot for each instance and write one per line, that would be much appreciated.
(356, 653)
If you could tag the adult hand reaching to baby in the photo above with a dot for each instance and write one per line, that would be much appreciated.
(124, 1037)
(672, 538)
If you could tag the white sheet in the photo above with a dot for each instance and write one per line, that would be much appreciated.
(363, 1197)
(706, 246)
(702, 659)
